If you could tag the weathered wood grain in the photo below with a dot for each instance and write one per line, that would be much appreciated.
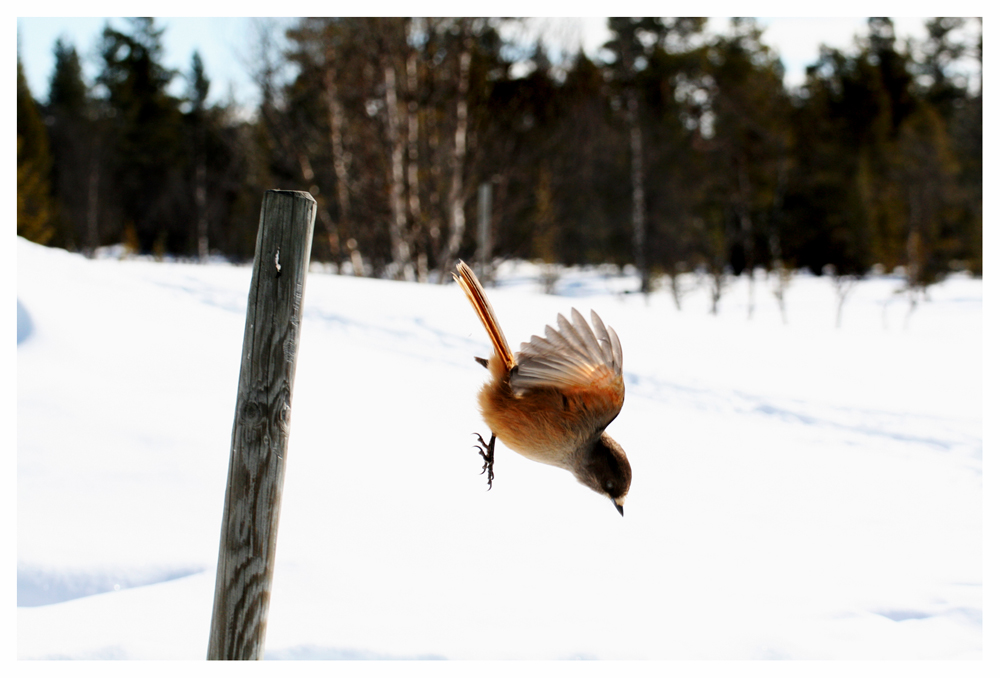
(261, 426)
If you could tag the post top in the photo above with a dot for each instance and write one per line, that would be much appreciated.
(305, 195)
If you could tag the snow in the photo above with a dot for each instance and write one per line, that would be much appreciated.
(799, 491)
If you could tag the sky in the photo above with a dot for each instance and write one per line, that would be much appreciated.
(223, 44)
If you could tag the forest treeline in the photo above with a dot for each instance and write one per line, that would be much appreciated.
(684, 150)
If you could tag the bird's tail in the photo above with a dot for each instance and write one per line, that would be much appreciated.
(477, 297)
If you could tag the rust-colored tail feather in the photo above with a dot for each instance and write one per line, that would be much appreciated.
(477, 297)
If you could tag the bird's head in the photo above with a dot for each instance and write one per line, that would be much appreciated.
(604, 468)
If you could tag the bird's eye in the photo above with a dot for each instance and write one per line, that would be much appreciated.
(609, 485)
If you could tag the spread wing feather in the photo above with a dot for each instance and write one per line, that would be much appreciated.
(576, 356)
(609, 341)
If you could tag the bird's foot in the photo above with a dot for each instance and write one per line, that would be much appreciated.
(486, 452)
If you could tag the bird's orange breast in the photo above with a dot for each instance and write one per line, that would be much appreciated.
(546, 424)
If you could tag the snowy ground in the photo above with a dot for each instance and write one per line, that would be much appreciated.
(799, 491)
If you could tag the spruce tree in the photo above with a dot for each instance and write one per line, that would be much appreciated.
(74, 147)
(146, 141)
(34, 201)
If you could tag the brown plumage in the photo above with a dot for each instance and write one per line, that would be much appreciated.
(552, 400)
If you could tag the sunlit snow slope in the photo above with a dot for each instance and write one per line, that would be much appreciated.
(799, 491)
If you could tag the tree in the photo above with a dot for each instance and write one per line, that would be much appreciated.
(951, 92)
(76, 135)
(839, 123)
(34, 202)
(877, 172)
(328, 130)
(455, 209)
(747, 146)
(198, 86)
(674, 89)
(146, 142)
(587, 151)
(398, 230)
(630, 41)
(684, 151)
(655, 60)
(940, 85)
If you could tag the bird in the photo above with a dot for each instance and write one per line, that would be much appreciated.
(552, 400)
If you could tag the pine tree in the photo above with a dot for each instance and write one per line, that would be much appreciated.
(747, 146)
(953, 95)
(198, 86)
(631, 38)
(74, 133)
(590, 177)
(674, 89)
(34, 201)
(147, 149)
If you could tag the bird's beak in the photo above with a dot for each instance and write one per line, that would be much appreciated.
(621, 508)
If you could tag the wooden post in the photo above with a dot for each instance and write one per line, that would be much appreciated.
(261, 426)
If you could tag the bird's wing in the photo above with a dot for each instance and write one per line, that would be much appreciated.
(576, 358)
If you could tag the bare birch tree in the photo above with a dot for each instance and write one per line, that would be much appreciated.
(413, 160)
(456, 191)
(397, 226)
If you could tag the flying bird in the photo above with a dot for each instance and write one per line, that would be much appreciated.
(552, 400)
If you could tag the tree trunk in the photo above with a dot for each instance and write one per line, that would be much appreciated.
(456, 202)
(913, 239)
(743, 200)
(93, 238)
(413, 166)
(842, 286)
(397, 224)
(200, 201)
(718, 285)
(329, 225)
(638, 192)
(784, 276)
(335, 111)
(675, 288)
(485, 205)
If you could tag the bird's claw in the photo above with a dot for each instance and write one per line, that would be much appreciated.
(486, 452)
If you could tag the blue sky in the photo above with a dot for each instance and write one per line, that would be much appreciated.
(221, 41)
(224, 44)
